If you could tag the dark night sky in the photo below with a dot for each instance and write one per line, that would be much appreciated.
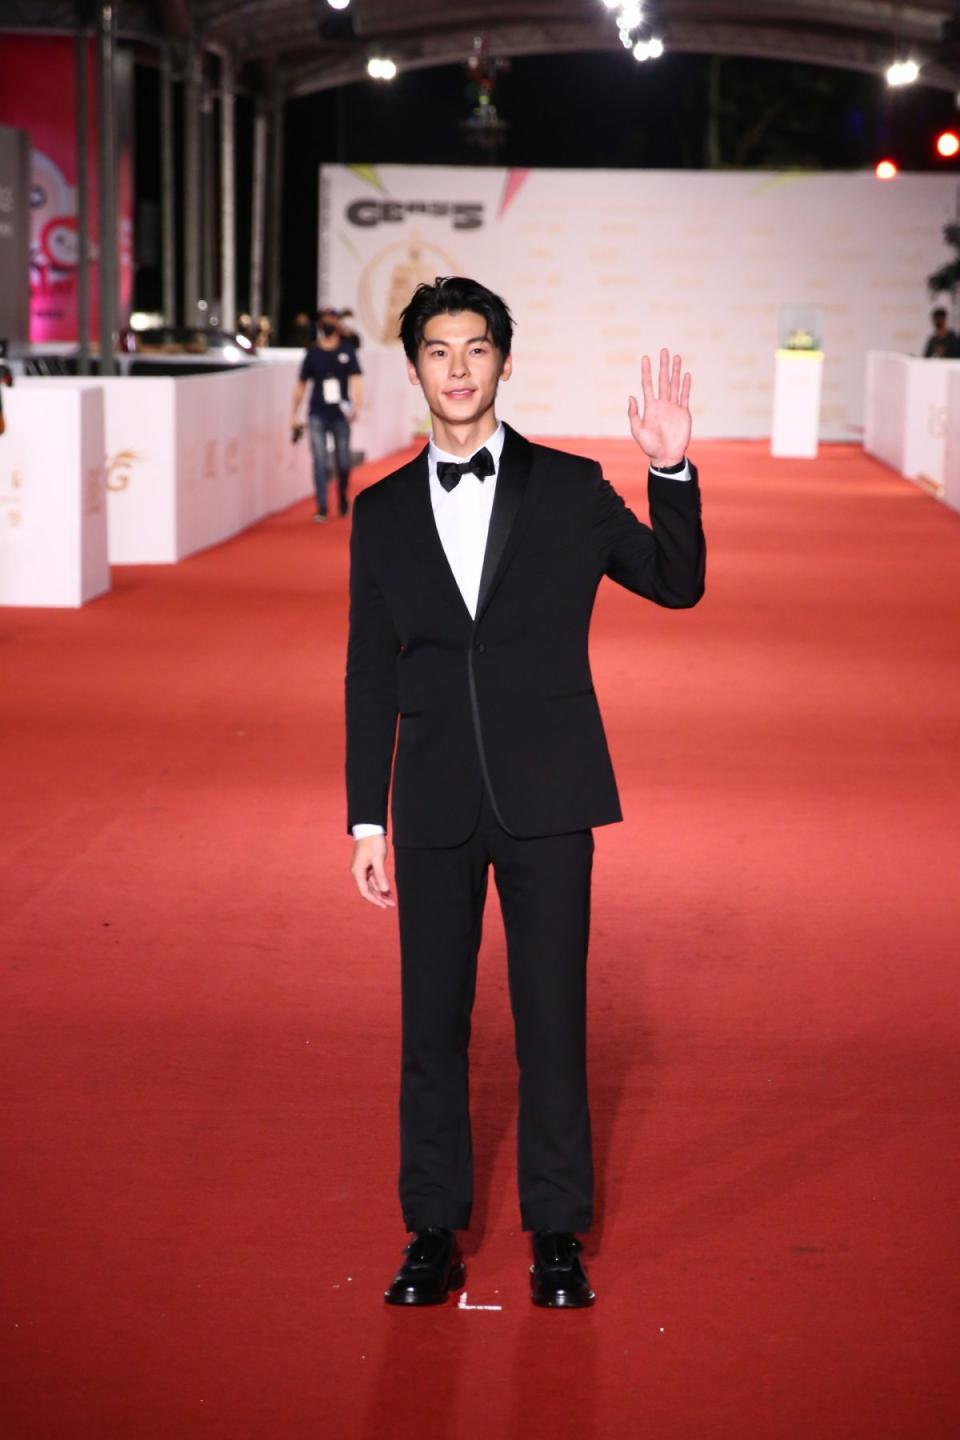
(585, 110)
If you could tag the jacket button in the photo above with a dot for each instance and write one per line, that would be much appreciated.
(480, 647)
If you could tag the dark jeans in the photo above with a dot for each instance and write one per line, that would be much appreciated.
(339, 427)
(544, 889)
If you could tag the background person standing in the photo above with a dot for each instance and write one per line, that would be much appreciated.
(942, 343)
(335, 373)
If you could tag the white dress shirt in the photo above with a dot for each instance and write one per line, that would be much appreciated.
(462, 517)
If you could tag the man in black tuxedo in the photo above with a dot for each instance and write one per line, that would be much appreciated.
(473, 575)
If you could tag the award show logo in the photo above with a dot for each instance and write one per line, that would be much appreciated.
(390, 278)
(463, 215)
(120, 468)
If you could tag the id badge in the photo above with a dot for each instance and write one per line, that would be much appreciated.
(332, 393)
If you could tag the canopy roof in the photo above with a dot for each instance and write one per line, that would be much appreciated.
(308, 46)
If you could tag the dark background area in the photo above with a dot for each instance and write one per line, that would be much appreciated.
(599, 110)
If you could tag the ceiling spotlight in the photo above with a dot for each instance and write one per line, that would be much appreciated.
(948, 144)
(650, 49)
(338, 4)
(886, 170)
(903, 72)
(381, 69)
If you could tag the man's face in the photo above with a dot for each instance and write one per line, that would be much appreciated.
(458, 367)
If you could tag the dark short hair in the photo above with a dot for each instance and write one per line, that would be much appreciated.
(327, 310)
(451, 295)
(940, 310)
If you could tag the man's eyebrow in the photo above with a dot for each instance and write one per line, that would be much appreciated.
(472, 341)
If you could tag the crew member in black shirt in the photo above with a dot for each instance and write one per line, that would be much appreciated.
(943, 344)
(335, 373)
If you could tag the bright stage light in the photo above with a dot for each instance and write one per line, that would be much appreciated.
(886, 170)
(650, 49)
(381, 69)
(948, 144)
(338, 4)
(903, 72)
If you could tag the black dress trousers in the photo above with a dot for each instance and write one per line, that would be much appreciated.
(544, 889)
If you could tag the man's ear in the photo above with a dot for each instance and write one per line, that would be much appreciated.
(412, 375)
(507, 370)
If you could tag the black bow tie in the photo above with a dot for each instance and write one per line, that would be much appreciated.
(450, 471)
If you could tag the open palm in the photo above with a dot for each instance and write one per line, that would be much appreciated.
(663, 430)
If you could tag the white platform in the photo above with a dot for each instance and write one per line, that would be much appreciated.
(797, 386)
(906, 410)
(192, 460)
(53, 510)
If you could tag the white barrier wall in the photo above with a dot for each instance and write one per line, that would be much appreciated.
(53, 508)
(906, 414)
(190, 460)
(951, 442)
(600, 266)
(384, 426)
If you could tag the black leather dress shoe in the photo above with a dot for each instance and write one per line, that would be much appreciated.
(433, 1267)
(557, 1277)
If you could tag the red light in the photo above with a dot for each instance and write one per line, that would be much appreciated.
(948, 144)
(886, 170)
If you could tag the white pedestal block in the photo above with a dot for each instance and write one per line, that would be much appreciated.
(905, 414)
(798, 381)
(53, 506)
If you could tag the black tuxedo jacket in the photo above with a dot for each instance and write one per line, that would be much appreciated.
(505, 700)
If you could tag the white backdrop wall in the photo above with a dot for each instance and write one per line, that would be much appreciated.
(599, 266)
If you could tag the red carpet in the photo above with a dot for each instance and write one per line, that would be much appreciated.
(199, 1030)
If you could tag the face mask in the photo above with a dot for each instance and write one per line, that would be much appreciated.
(328, 329)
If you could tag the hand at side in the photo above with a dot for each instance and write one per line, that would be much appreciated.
(368, 868)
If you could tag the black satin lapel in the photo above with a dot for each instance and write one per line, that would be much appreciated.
(506, 521)
(415, 513)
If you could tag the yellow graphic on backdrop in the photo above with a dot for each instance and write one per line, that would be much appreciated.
(390, 278)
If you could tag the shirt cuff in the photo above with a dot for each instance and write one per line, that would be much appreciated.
(683, 474)
(360, 832)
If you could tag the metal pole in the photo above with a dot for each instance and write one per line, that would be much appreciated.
(276, 206)
(258, 210)
(208, 191)
(83, 207)
(191, 186)
(168, 241)
(107, 162)
(228, 256)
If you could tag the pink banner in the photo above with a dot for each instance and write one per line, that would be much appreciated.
(38, 94)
